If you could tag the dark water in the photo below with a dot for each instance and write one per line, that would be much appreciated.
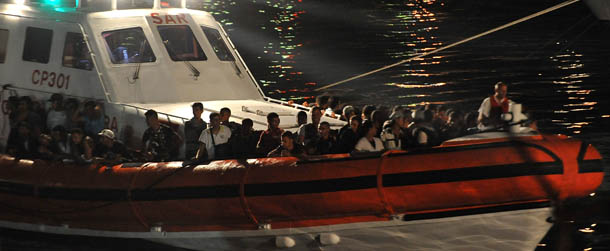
(557, 65)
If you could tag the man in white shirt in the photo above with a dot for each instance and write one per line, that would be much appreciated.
(492, 108)
(212, 138)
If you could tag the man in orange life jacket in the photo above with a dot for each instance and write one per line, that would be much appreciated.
(492, 108)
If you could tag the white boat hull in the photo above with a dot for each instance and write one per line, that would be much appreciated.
(507, 230)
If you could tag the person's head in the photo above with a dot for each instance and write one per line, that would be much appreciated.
(44, 139)
(366, 111)
(273, 120)
(71, 104)
(408, 116)
(56, 101)
(333, 102)
(58, 133)
(106, 137)
(93, 109)
(197, 109)
(316, 114)
(470, 119)
(398, 118)
(354, 123)
(288, 140)
(214, 120)
(348, 112)
(301, 118)
(322, 101)
(378, 117)
(76, 134)
(152, 119)
(225, 114)
(246, 125)
(369, 129)
(324, 130)
(455, 117)
(25, 103)
(500, 89)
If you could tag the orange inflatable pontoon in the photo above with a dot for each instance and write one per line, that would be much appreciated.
(269, 198)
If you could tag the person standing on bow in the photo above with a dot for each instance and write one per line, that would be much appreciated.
(492, 108)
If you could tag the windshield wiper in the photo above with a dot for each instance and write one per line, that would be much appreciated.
(136, 73)
(188, 64)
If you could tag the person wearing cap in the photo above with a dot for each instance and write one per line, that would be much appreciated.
(56, 116)
(391, 136)
(109, 149)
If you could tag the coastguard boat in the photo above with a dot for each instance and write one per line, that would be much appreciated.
(486, 191)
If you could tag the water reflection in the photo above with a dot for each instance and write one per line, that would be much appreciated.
(295, 46)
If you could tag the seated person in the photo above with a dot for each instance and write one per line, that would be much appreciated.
(110, 149)
(21, 143)
(81, 146)
(288, 148)
(368, 142)
(45, 149)
(327, 143)
(349, 137)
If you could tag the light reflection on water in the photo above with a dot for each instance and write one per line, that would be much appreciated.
(555, 70)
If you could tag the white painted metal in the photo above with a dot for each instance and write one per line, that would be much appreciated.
(510, 230)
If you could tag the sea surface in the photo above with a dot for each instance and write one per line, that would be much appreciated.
(557, 65)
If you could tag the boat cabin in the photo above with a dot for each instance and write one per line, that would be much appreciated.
(131, 55)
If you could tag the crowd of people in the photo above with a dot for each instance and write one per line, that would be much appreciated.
(39, 134)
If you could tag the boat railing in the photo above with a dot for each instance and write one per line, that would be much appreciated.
(169, 118)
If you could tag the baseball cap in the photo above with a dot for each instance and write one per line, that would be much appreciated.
(107, 133)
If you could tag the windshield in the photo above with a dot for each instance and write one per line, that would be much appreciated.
(181, 43)
(128, 46)
(219, 46)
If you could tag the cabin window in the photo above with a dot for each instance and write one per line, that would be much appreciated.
(37, 46)
(134, 4)
(220, 47)
(76, 52)
(170, 3)
(3, 44)
(181, 43)
(128, 46)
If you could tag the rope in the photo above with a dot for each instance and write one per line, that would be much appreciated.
(561, 5)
